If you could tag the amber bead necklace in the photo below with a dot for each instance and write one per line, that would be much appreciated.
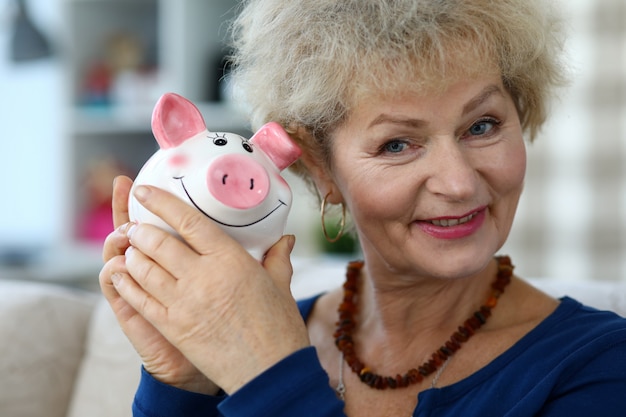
(347, 323)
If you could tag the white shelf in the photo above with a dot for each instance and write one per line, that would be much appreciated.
(175, 45)
(121, 120)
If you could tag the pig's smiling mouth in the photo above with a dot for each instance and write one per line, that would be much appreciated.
(280, 204)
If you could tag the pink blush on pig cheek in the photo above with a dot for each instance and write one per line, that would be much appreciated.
(177, 161)
(176, 164)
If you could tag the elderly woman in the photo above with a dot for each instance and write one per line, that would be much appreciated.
(411, 114)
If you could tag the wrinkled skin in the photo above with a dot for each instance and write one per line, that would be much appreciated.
(157, 284)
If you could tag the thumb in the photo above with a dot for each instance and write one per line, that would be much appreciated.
(277, 262)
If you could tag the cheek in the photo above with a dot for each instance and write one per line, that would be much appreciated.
(504, 169)
(375, 196)
(507, 184)
(513, 169)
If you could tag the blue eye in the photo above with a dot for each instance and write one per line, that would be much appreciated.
(395, 146)
(482, 127)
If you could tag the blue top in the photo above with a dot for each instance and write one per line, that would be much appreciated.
(572, 364)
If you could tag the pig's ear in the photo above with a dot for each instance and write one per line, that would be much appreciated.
(277, 144)
(174, 120)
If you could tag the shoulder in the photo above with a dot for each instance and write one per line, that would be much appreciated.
(590, 338)
(585, 350)
(569, 325)
(573, 344)
(320, 307)
(575, 330)
(572, 363)
(582, 323)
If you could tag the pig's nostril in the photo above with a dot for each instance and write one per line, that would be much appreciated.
(224, 179)
(252, 183)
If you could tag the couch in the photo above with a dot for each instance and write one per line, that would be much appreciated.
(63, 355)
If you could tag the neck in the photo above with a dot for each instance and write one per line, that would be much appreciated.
(387, 348)
(394, 307)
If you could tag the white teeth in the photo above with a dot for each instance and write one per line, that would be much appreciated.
(452, 222)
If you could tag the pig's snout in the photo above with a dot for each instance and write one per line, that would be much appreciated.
(238, 181)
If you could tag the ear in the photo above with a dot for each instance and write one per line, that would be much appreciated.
(174, 120)
(276, 144)
(322, 177)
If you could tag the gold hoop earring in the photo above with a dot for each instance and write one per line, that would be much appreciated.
(342, 223)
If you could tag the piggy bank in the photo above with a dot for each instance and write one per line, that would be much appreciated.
(234, 181)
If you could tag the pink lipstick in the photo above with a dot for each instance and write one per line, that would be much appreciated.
(454, 227)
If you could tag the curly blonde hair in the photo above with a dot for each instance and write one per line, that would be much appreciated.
(306, 63)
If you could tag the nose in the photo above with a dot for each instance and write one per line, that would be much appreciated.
(453, 175)
(238, 181)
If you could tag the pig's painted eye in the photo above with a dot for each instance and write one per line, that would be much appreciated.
(247, 147)
(219, 141)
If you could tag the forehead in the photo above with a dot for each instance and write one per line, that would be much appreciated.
(454, 97)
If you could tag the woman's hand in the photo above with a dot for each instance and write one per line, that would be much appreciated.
(159, 357)
(231, 316)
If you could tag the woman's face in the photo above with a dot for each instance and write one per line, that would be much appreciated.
(432, 181)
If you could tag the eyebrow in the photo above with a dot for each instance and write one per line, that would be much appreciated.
(482, 97)
(405, 121)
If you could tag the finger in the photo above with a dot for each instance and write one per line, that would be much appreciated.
(140, 332)
(116, 242)
(121, 190)
(132, 323)
(277, 261)
(138, 299)
(115, 265)
(123, 311)
(148, 274)
(164, 248)
(200, 233)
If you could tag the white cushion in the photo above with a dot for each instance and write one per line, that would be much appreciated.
(110, 371)
(42, 334)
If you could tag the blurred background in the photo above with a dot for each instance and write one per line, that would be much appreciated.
(79, 78)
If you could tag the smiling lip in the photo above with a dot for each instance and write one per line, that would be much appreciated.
(454, 227)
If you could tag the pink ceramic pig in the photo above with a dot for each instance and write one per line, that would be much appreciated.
(234, 181)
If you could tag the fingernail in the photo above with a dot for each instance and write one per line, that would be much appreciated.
(123, 229)
(131, 230)
(142, 192)
(129, 250)
(116, 278)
